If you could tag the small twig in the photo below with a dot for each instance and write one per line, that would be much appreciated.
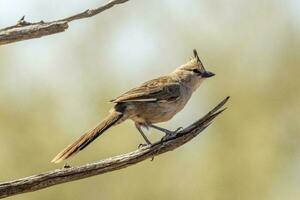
(92, 12)
(24, 30)
(68, 174)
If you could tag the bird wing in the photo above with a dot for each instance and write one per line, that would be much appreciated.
(163, 88)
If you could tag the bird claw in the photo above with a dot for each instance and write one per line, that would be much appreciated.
(178, 129)
(171, 134)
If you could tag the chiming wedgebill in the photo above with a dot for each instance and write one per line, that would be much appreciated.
(155, 101)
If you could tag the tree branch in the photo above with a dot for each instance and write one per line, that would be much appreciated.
(24, 30)
(58, 176)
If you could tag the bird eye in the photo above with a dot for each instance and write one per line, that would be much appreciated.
(196, 71)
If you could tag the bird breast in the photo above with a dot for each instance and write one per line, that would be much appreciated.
(157, 111)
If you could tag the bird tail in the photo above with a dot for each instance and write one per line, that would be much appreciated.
(88, 137)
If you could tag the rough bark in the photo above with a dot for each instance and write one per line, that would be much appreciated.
(58, 176)
(24, 30)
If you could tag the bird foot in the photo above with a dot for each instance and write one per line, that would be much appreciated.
(171, 134)
(178, 130)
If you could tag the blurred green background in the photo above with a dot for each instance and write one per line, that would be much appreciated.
(54, 88)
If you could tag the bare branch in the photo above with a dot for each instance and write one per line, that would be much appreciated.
(24, 30)
(31, 30)
(58, 176)
(92, 12)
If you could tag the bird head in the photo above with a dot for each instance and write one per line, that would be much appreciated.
(193, 72)
(196, 67)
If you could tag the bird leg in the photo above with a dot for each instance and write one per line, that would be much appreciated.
(138, 127)
(166, 131)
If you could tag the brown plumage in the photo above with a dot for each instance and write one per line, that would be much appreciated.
(161, 88)
(88, 137)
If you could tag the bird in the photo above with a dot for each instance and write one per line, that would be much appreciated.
(154, 101)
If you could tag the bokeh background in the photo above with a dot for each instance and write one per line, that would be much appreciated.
(54, 88)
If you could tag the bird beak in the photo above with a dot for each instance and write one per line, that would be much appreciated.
(207, 74)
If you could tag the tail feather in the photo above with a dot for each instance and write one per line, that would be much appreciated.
(88, 137)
